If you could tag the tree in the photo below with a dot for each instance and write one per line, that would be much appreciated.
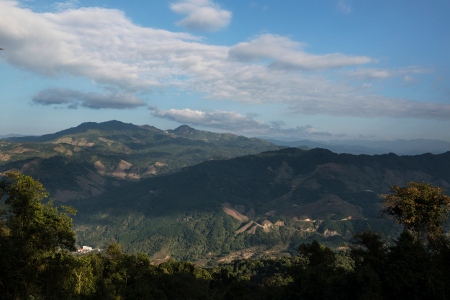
(421, 256)
(318, 255)
(369, 250)
(35, 238)
(314, 276)
(422, 208)
(369, 253)
(408, 270)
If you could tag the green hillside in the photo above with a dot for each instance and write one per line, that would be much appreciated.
(262, 204)
(86, 160)
(208, 197)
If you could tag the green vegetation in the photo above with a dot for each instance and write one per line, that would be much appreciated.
(180, 194)
(35, 262)
(34, 239)
(317, 195)
(421, 208)
(85, 161)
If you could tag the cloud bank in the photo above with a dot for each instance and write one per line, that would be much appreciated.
(224, 120)
(284, 53)
(73, 99)
(233, 121)
(104, 46)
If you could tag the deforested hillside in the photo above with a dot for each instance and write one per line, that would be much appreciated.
(266, 203)
(87, 160)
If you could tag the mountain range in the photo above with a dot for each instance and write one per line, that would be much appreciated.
(83, 161)
(371, 147)
(209, 197)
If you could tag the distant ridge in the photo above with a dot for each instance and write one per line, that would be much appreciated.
(81, 161)
(11, 135)
(370, 147)
(83, 127)
(399, 146)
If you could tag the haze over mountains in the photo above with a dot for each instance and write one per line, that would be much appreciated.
(400, 147)
(204, 196)
(363, 146)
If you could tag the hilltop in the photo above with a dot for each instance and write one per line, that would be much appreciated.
(86, 160)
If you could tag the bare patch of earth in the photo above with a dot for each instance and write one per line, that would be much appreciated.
(134, 173)
(120, 169)
(21, 149)
(160, 256)
(66, 140)
(242, 254)
(151, 170)
(75, 142)
(234, 213)
(245, 227)
(99, 167)
(60, 149)
(63, 150)
(108, 142)
(4, 157)
(137, 141)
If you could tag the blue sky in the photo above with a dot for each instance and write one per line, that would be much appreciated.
(319, 69)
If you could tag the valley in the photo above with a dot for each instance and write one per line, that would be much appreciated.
(206, 197)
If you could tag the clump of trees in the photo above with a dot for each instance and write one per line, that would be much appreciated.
(37, 240)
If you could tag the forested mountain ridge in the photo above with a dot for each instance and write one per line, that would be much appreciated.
(265, 203)
(373, 147)
(208, 197)
(86, 160)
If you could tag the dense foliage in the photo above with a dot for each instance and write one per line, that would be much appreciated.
(174, 214)
(35, 263)
(35, 239)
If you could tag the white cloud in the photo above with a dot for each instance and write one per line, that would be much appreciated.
(233, 121)
(224, 120)
(372, 106)
(101, 44)
(376, 74)
(283, 53)
(201, 15)
(73, 99)
(107, 48)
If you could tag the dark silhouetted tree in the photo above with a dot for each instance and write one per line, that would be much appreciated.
(35, 238)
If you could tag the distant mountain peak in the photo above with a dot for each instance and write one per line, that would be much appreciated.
(113, 124)
(83, 127)
(183, 129)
